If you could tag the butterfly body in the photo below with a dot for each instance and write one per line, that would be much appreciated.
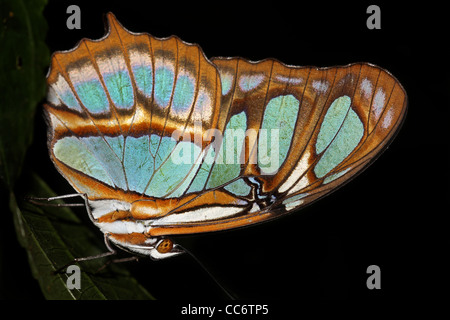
(163, 141)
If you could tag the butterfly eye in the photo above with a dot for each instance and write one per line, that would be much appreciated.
(165, 246)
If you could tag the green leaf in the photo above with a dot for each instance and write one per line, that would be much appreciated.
(53, 236)
(24, 58)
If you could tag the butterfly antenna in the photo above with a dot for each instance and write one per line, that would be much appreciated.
(230, 296)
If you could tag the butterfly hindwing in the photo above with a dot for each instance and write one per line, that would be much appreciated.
(332, 123)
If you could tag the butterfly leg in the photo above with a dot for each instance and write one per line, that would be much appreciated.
(72, 195)
(128, 259)
(111, 252)
(37, 201)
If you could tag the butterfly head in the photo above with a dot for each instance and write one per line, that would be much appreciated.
(156, 248)
(120, 223)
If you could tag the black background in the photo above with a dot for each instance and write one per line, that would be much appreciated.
(391, 215)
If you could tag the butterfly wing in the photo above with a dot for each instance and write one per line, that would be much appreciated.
(113, 105)
(326, 126)
(258, 139)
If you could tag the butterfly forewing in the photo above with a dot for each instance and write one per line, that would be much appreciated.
(126, 93)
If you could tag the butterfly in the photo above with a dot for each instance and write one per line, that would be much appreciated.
(160, 140)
